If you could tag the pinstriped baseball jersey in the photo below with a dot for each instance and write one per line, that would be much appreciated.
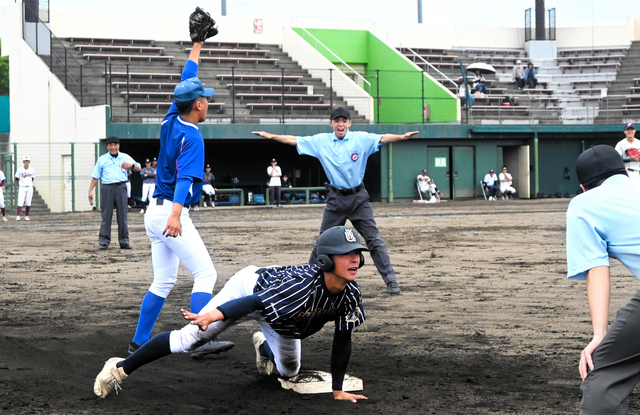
(298, 303)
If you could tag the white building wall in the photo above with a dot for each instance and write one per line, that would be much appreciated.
(45, 118)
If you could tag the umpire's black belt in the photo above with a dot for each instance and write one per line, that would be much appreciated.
(159, 202)
(115, 184)
(345, 192)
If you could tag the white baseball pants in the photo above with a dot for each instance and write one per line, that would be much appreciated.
(507, 189)
(147, 191)
(167, 252)
(25, 193)
(208, 189)
(1, 198)
(287, 352)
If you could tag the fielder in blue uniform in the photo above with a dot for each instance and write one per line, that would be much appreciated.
(343, 155)
(603, 222)
(174, 238)
(290, 303)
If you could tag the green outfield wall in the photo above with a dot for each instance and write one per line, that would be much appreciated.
(402, 90)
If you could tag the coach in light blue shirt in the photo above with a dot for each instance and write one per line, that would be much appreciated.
(111, 169)
(604, 222)
(343, 155)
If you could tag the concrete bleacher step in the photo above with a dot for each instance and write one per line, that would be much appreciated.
(94, 83)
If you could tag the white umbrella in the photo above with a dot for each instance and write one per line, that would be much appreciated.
(483, 68)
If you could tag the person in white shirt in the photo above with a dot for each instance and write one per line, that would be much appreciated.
(2, 205)
(423, 184)
(506, 180)
(24, 179)
(631, 162)
(275, 185)
(490, 185)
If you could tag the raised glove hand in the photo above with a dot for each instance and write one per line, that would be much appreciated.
(201, 26)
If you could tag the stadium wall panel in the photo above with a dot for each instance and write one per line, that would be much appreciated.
(399, 84)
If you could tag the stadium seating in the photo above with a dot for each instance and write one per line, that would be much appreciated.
(251, 80)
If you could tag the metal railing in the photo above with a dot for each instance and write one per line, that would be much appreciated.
(414, 53)
(342, 63)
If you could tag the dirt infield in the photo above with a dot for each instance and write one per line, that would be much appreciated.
(486, 323)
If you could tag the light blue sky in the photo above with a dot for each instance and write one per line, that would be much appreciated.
(505, 13)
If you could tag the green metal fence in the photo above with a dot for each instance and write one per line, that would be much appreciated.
(63, 174)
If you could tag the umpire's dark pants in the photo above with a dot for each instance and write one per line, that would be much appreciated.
(616, 363)
(358, 210)
(114, 196)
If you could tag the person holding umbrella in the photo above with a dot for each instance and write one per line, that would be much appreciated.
(480, 69)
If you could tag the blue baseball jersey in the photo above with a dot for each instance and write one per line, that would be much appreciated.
(344, 161)
(297, 303)
(109, 169)
(181, 152)
(601, 223)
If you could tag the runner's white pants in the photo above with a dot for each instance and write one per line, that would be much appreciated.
(168, 252)
(286, 351)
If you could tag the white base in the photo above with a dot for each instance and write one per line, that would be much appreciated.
(316, 381)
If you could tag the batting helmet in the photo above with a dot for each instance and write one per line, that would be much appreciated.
(338, 240)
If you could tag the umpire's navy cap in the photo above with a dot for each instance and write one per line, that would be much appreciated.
(629, 126)
(339, 240)
(190, 89)
(340, 112)
(599, 162)
(113, 139)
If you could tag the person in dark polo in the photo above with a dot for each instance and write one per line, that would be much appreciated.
(111, 170)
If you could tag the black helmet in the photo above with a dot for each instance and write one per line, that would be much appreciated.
(338, 240)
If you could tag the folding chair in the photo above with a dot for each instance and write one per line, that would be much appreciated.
(484, 193)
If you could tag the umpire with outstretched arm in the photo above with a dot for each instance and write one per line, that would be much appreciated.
(343, 155)
(111, 169)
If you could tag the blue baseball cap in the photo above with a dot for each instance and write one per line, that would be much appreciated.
(629, 126)
(190, 89)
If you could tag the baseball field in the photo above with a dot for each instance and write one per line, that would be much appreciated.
(487, 322)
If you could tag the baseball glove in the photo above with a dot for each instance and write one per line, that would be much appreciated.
(633, 152)
(201, 26)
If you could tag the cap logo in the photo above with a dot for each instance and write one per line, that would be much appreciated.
(349, 236)
(354, 157)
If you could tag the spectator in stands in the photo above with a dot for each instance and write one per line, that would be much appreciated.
(275, 185)
(465, 97)
(208, 186)
(490, 185)
(530, 76)
(286, 182)
(627, 148)
(506, 180)
(518, 74)
(479, 84)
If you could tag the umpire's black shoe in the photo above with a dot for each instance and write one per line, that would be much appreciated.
(393, 288)
(133, 347)
(126, 246)
(104, 246)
